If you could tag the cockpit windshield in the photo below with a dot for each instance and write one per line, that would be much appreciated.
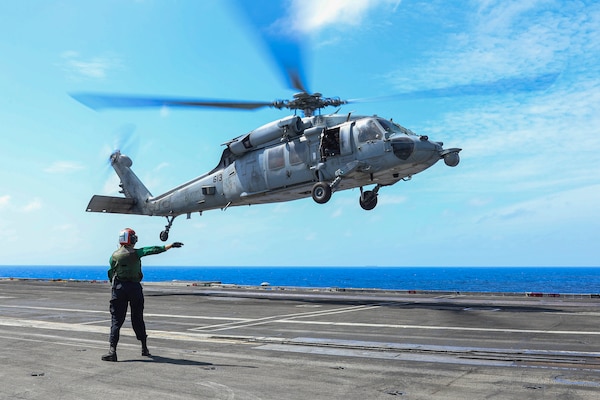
(391, 128)
(368, 130)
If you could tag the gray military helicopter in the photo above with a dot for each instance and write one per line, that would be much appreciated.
(291, 158)
(287, 159)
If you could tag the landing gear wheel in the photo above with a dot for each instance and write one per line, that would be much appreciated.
(164, 236)
(321, 192)
(368, 200)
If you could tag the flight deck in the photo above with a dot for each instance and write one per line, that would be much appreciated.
(214, 341)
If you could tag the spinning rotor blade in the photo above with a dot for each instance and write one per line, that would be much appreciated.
(98, 101)
(124, 140)
(282, 42)
(279, 36)
(501, 86)
(288, 58)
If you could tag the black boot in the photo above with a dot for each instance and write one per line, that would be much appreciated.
(111, 355)
(145, 351)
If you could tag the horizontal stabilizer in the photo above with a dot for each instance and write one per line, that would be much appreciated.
(109, 204)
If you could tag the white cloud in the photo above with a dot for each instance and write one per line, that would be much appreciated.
(96, 67)
(534, 142)
(566, 207)
(161, 166)
(549, 141)
(60, 167)
(311, 236)
(33, 205)
(8, 235)
(391, 199)
(4, 200)
(314, 15)
(111, 185)
(479, 201)
(64, 227)
(505, 39)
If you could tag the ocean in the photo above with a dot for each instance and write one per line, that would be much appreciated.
(548, 280)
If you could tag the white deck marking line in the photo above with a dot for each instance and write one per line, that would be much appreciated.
(439, 328)
(28, 323)
(266, 320)
(54, 309)
(63, 326)
(294, 319)
(145, 314)
(386, 355)
(197, 317)
(333, 312)
(45, 339)
(31, 323)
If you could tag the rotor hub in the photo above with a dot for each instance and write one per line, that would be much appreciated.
(308, 103)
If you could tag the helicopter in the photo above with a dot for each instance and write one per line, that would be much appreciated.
(283, 160)
(291, 158)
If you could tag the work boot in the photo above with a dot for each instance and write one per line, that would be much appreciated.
(145, 351)
(111, 355)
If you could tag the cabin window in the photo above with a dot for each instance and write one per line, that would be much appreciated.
(298, 153)
(275, 158)
(208, 190)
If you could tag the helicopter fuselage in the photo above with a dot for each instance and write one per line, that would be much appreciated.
(285, 160)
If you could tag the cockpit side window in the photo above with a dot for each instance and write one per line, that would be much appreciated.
(387, 126)
(368, 130)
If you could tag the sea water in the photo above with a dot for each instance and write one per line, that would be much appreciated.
(576, 280)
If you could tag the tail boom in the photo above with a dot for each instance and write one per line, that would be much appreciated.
(136, 194)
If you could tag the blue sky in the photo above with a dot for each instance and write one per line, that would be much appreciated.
(526, 191)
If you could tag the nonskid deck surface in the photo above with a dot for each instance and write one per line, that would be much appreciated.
(290, 343)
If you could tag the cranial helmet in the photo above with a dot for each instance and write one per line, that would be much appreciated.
(127, 237)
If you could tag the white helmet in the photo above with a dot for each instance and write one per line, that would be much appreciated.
(127, 237)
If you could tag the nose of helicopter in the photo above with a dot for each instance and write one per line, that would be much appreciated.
(417, 149)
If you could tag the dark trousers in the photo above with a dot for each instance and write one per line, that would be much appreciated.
(124, 293)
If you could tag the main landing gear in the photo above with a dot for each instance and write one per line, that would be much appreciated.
(321, 193)
(164, 235)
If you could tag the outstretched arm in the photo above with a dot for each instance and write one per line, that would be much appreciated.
(175, 244)
(149, 250)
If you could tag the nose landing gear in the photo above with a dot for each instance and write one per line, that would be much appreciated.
(368, 198)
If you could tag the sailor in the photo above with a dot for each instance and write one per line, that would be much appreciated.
(125, 274)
